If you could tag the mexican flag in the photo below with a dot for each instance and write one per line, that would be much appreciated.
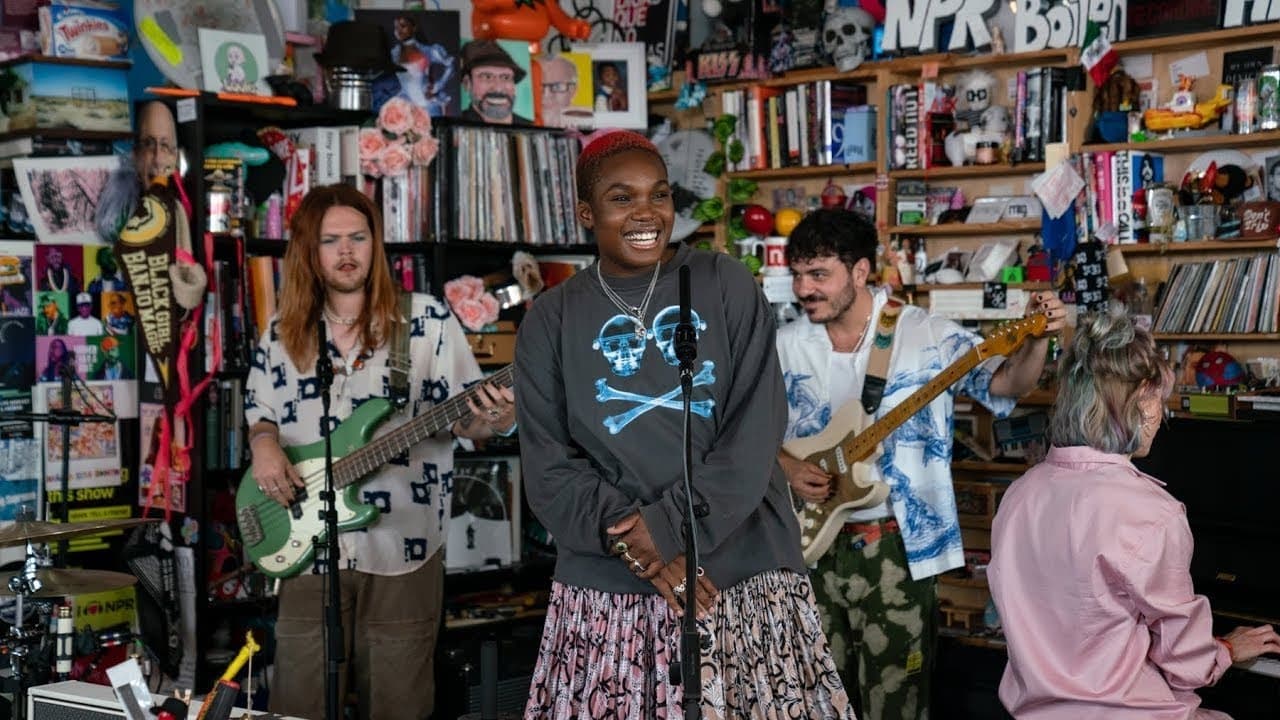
(1096, 55)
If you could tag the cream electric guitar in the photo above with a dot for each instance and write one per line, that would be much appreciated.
(850, 444)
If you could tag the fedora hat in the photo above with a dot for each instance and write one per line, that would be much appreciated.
(357, 45)
(479, 53)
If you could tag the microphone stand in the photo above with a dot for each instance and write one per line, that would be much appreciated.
(686, 347)
(333, 647)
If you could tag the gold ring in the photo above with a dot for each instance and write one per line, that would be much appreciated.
(620, 547)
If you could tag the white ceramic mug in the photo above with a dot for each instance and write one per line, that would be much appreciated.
(775, 256)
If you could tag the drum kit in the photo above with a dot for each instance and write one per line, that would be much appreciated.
(37, 582)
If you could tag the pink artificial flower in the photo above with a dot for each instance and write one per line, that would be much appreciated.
(372, 143)
(421, 121)
(424, 151)
(471, 314)
(490, 305)
(396, 116)
(395, 159)
(370, 167)
(466, 287)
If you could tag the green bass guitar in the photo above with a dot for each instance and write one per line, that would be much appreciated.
(278, 539)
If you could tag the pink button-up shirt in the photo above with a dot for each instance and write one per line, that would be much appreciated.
(1090, 570)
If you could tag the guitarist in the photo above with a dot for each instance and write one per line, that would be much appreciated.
(336, 269)
(875, 585)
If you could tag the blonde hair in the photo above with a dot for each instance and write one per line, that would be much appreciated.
(303, 292)
(1111, 366)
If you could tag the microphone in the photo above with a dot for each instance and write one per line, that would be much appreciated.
(686, 339)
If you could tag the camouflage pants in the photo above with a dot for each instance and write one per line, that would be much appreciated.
(874, 614)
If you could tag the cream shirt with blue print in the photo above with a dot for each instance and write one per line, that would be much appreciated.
(917, 456)
(414, 490)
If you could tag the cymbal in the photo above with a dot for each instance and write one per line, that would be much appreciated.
(61, 582)
(24, 531)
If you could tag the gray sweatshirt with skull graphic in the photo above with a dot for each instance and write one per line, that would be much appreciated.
(601, 423)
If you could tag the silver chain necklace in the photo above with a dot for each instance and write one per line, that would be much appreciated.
(637, 314)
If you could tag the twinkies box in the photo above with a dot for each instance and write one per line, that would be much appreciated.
(85, 30)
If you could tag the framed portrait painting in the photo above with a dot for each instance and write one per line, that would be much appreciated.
(619, 91)
(234, 62)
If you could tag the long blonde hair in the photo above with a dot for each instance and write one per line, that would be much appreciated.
(303, 293)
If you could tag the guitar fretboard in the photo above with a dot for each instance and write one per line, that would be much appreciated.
(366, 460)
(1001, 342)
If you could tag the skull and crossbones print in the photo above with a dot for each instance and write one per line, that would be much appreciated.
(623, 349)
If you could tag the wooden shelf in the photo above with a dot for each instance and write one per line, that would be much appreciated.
(951, 62)
(1039, 396)
(959, 581)
(967, 171)
(788, 173)
(1197, 143)
(1200, 40)
(1217, 337)
(957, 229)
(976, 641)
(664, 96)
(66, 134)
(1198, 246)
(980, 466)
(925, 288)
(79, 62)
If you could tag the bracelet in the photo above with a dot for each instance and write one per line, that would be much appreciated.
(1231, 651)
(509, 431)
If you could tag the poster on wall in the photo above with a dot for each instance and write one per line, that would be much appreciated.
(62, 195)
(94, 450)
(19, 472)
(149, 435)
(17, 373)
(425, 44)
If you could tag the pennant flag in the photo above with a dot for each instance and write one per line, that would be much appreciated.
(1096, 55)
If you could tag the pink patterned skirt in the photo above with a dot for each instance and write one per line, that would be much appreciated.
(607, 655)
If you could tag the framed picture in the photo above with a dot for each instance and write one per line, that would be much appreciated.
(484, 523)
(619, 95)
(62, 195)
(497, 86)
(425, 43)
(567, 97)
(234, 62)
(1273, 178)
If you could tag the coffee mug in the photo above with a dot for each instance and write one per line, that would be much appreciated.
(751, 245)
(775, 256)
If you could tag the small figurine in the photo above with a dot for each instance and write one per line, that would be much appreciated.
(847, 37)
(1183, 112)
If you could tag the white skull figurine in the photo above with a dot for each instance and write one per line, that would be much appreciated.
(846, 36)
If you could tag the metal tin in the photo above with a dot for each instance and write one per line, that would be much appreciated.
(1247, 106)
(1269, 98)
(1160, 213)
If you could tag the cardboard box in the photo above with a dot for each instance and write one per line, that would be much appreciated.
(50, 95)
(85, 30)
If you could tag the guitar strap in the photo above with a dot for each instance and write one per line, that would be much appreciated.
(398, 353)
(881, 350)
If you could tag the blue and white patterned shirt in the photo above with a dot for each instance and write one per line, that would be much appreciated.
(917, 455)
(413, 491)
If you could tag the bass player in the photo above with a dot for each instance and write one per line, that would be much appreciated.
(336, 269)
(876, 585)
